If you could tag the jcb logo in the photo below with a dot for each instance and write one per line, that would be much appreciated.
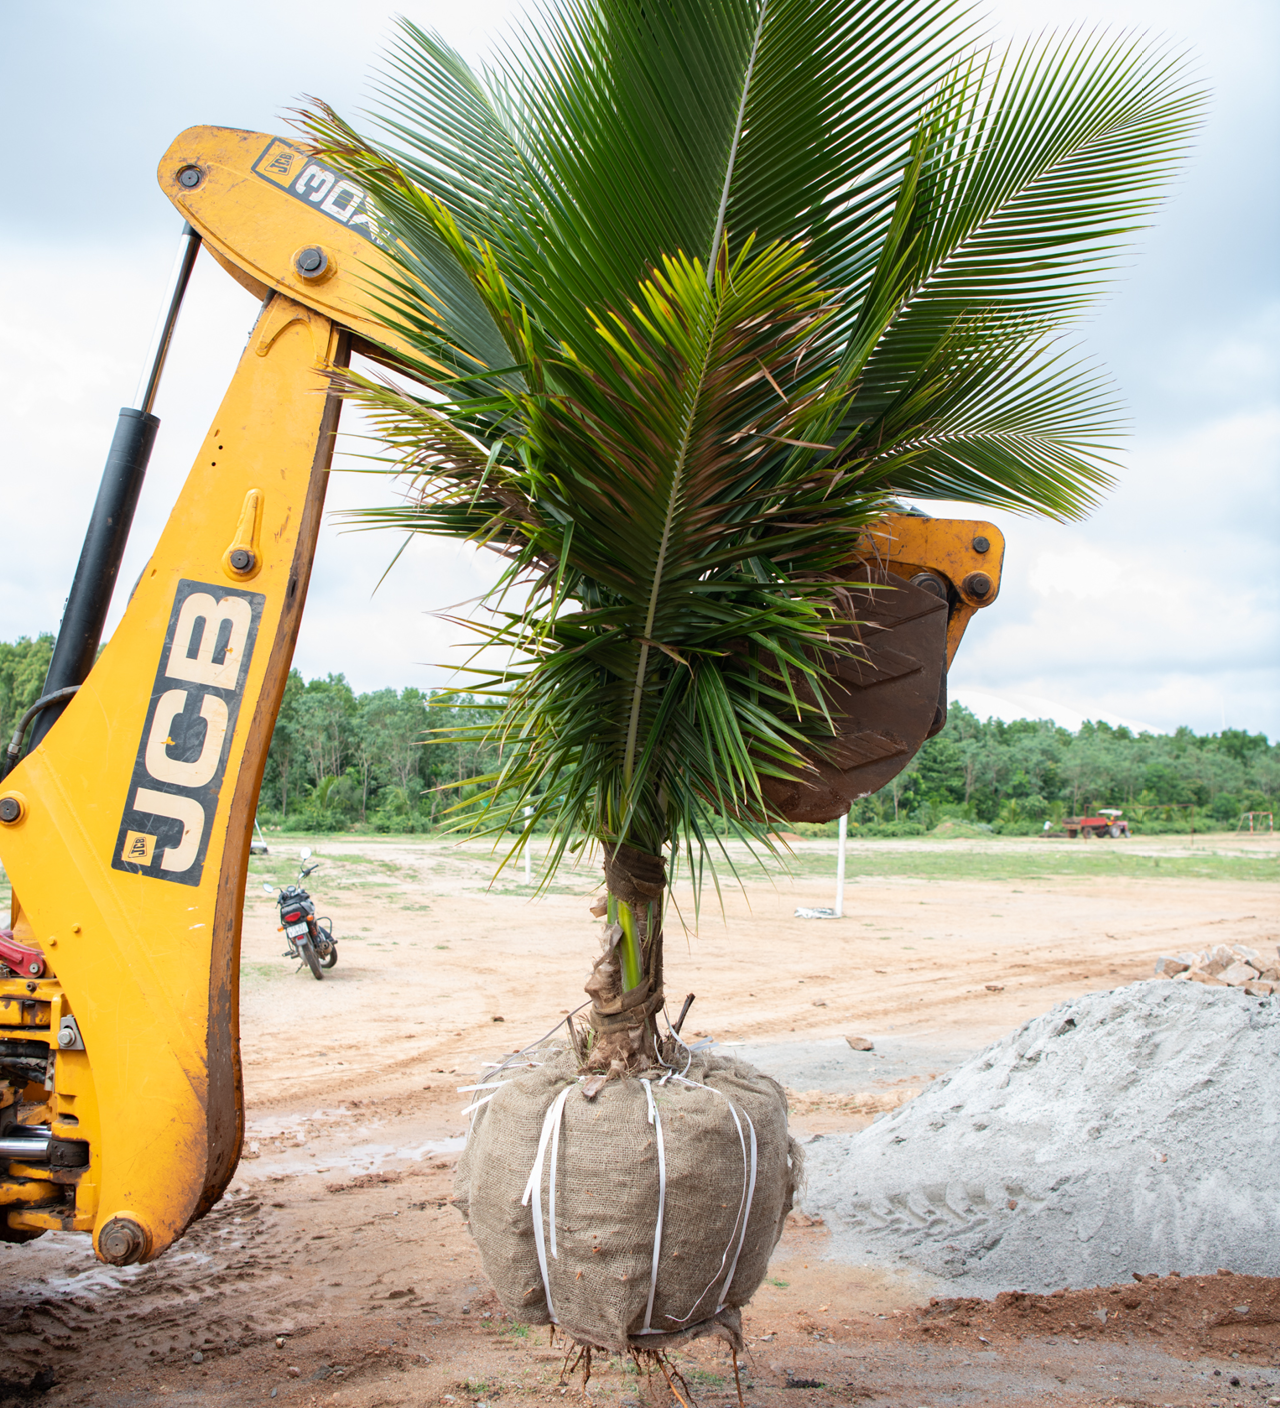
(182, 756)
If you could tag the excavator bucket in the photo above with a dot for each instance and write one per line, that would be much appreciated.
(910, 592)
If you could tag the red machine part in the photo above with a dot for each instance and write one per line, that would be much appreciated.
(27, 961)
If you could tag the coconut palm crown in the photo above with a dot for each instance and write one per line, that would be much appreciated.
(697, 287)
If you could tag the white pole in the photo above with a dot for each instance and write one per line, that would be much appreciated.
(528, 859)
(844, 836)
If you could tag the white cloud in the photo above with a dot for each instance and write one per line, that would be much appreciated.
(1083, 571)
(1008, 706)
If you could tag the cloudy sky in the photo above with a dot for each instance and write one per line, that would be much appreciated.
(1161, 610)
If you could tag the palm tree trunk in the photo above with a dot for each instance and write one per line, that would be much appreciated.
(626, 984)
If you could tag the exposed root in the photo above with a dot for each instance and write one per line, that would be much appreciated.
(646, 1354)
(583, 1358)
(670, 1373)
(645, 1360)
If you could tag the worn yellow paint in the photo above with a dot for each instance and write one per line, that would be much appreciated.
(26, 1190)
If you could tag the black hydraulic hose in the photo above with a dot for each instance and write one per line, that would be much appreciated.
(14, 750)
(90, 597)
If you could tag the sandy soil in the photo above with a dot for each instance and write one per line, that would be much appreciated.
(336, 1270)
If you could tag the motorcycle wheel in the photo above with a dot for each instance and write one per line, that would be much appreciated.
(328, 949)
(309, 953)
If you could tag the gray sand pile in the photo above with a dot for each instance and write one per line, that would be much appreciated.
(1134, 1130)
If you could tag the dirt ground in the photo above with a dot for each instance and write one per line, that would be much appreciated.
(336, 1270)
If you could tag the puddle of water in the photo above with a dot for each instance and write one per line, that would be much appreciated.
(269, 1128)
(359, 1159)
(66, 1268)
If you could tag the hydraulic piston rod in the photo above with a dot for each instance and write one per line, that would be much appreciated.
(90, 597)
(31, 1148)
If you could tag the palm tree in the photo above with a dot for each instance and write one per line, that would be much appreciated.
(695, 288)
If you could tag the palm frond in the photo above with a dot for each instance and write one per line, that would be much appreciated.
(694, 288)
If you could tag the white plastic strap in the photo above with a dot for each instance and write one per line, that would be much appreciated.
(744, 1207)
(533, 1190)
(656, 1121)
(551, 1179)
(746, 1212)
(483, 1100)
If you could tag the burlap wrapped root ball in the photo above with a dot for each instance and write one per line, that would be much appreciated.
(588, 1178)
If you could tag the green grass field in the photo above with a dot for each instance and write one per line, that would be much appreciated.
(992, 861)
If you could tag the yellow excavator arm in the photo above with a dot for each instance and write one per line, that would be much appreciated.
(125, 827)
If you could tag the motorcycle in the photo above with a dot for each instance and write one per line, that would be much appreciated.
(310, 939)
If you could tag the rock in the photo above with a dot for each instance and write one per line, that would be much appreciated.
(995, 987)
(197, 1358)
(1219, 958)
(294, 1372)
(1261, 989)
(1233, 965)
(861, 1043)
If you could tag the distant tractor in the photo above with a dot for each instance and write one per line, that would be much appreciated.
(1107, 822)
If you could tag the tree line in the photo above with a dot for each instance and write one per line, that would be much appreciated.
(391, 761)
(384, 760)
(1016, 776)
(337, 758)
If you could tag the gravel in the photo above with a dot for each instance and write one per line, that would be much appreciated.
(1133, 1130)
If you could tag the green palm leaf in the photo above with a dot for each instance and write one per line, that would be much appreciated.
(694, 287)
